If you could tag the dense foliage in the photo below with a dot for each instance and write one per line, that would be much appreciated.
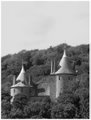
(73, 103)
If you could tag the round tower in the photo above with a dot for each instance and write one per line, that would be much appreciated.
(20, 85)
(63, 74)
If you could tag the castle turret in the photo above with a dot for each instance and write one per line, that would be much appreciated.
(63, 74)
(21, 87)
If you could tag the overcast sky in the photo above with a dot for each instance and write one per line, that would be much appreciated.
(39, 25)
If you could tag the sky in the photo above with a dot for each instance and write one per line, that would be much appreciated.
(40, 24)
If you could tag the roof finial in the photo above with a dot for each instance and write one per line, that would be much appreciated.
(64, 46)
(64, 55)
(22, 62)
(65, 42)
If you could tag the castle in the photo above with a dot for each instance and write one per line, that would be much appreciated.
(53, 88)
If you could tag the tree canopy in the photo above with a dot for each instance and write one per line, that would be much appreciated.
(73, 103)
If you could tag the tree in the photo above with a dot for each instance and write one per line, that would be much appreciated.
(69, 111)
(20, 101)
(5, 109)
(83, 94)
(16, 113)
(38, 65)
(18, 104)
(32, 109)
(38, 108)
(57, 111)
(72, 99)
(46, 108)
(60, 110)
(67, 97)
(5, 96)
(5, 104)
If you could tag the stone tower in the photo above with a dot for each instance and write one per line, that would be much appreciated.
(63, 74)
(20, 85)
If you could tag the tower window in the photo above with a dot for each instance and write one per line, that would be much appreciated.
(59, 77)
(69, 78)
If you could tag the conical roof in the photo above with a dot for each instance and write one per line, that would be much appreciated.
(21, 76)
(63, 58)
(19, 84)
(65, 66)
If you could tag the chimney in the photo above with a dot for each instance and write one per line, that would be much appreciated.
(54, 67)
(29, 80)
(14, 80)
(51, 66)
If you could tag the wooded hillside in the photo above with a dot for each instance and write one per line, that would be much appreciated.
(37, 63)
